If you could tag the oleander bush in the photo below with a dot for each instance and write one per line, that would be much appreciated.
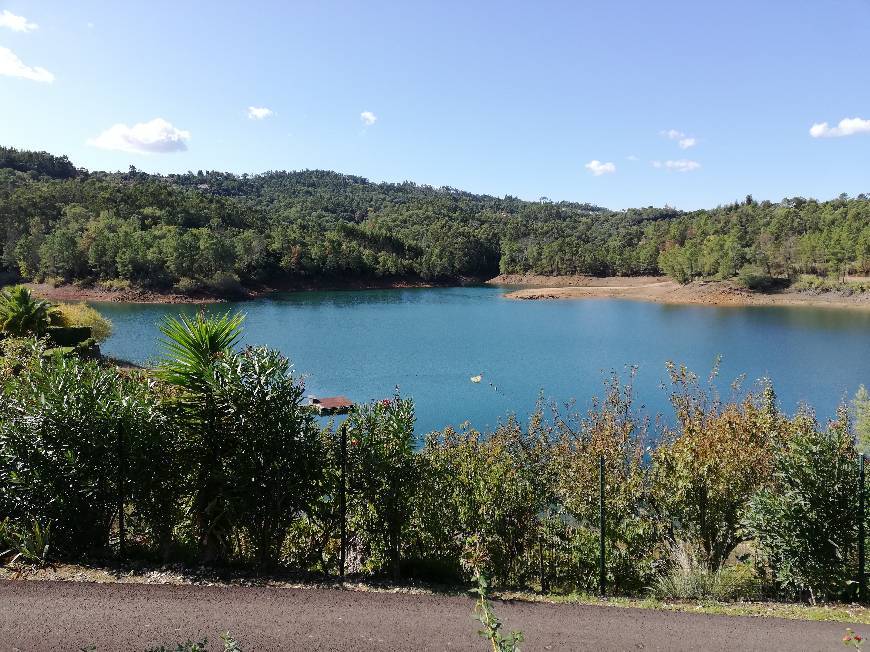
(215, 457)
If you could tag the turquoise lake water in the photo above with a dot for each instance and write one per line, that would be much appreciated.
(429, 342)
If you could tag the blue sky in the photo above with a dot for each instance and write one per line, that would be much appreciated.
(622, 104)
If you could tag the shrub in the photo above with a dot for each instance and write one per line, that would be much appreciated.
(276, 452)
(705, 472)
(81, 314)
(495, 487)
(755, 277)
(805, 522)
(74, 439)
(688, 578)
(382, 477)
(612, 430)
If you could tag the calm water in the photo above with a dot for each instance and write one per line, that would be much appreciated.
(429, 342)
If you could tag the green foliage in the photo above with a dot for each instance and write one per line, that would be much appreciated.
(66, 424)
(273, 452)
(192, 349)
(491, 623)
(23, 314)
(81, 314)
(382, 477)
(861, 405)
(28, 544)
(216, 454)
(491, 486)
(804, 522)
(218, 232)
(753, 277)
(705, 472)
(689, 578)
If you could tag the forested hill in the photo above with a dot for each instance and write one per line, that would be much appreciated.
(218, 231)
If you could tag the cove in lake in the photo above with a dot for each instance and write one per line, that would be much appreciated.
(429, 342)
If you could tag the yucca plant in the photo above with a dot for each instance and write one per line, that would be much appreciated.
(192, 347)
(23, 314)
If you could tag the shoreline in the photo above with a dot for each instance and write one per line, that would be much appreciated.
(661, 289)
(520, 287)
(136, 295)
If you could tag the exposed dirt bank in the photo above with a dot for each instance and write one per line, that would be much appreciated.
(71, 293)
(665, 290)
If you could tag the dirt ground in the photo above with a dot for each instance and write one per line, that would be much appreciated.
(37, 615)
(665, 290)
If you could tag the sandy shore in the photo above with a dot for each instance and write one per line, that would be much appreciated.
(664, 290)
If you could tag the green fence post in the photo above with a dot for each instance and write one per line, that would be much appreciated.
(122, 476)
(602, 576)
(862, 581)
(342, 498)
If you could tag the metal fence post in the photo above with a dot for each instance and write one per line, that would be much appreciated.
(862, 580)
(342, 498)
(602, 575)
(122, 475)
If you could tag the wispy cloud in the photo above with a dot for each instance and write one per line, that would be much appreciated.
(259, 112)
(597, 168)
(632, 157)
(157, 136)
(12, 66)
(368, 118)
(683, 141)
(16, 23)
(846, 127)
(679, 165)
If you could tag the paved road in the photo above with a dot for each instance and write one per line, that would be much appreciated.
(66, 616)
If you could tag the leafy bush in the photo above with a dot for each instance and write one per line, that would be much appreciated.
(70, 431)
(611, 430)
(382, 477)
(705, 472)
(755, 277)
(274, 449)
(805, 521)
(81, 314)
(493, 486)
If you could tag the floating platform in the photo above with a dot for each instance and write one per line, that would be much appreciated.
(330, 405)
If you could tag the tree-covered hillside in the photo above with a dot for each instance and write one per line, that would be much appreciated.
(219, 230)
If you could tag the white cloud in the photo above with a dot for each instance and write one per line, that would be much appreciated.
(12, 66)
(368, 118)
(259, 112)
(155, 137)
(632, 157)
(680, 165)
(16, 23)
(683, 141)
(846, 127)
(686, 143)
(597, 168)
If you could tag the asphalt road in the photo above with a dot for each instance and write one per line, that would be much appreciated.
(36, 616)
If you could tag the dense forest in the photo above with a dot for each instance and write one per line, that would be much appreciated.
(221, 231)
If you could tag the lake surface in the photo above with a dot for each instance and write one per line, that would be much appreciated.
(429, 342)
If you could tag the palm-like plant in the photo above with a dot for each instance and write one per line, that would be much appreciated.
(23, 314)
(192, 347)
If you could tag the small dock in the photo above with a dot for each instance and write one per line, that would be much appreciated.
(329, 405)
